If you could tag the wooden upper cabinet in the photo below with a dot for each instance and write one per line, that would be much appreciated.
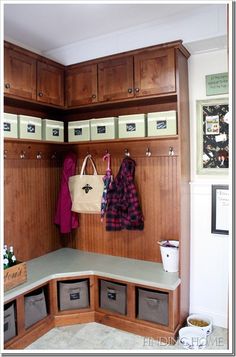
(154, 72)
(81, 85)
(115, 79)
(50, 84)
(137, 74)
(19, 74)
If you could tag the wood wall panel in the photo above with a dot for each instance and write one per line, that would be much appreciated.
(183, 108)
(156, 181)
(31, 188)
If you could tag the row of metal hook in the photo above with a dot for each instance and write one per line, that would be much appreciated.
(23, 155)
(148, 152)
(39, 155)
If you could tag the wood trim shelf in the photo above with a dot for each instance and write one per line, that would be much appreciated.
(135, 147)
(11, 100)
(125, 140)
(30, 104)
(29, 141)
(92, 142)
(124, 103)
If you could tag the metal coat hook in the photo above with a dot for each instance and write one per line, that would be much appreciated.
(39, 155)
(171, 151)
(148, 152)
(127, 153)
(22, 154)
(5, 154)
(54, 155)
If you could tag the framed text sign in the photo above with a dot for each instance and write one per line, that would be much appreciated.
(217, 84)
(220, 209)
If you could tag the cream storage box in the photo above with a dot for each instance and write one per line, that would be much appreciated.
(103, 128)
(162, 123)
(79, 130)
(30, 127)
(132, 126)
(52, 130)
(10, 127)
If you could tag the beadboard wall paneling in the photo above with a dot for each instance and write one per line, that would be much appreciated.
(31, 190)
(156, 182)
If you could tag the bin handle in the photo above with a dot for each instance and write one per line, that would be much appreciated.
(152, 300)
(35, 300)
(70, 290)
(111, 290)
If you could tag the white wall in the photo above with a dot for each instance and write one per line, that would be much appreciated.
(209, 253)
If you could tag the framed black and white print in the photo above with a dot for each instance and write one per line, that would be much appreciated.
(213, 136)
(220, 209)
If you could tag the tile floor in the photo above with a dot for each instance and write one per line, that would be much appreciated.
(94, 336)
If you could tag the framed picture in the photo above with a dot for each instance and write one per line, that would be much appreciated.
(213, 136)
(220, 209)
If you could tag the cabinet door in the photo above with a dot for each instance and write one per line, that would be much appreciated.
(19, 74)
(154, 72)
(81, 85)
(115, 79)
(50, 84)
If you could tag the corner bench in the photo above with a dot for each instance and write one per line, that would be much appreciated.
(71, 264)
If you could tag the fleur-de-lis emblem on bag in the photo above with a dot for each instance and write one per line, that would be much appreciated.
(87, 188)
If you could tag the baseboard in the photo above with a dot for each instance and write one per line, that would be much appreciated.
(23, 341)
(137, 327)
(73, 319)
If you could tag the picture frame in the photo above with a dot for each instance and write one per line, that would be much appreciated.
(220, 209)
(213, 136)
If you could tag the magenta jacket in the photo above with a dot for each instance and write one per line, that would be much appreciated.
(65, 218)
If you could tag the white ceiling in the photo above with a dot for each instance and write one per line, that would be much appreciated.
(71, 33)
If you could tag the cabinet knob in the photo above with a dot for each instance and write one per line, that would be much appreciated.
(7, 85)
(94, 96)
(40, 94)
(130, 90)
(136, 90)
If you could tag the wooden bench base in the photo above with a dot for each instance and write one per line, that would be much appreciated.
(94, 313)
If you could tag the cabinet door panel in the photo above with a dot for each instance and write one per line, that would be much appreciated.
(50, 85)
(19, 74)
(154, 72)
(115, 79)
(81, 85)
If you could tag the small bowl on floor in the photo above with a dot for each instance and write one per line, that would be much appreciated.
(192, 338)
(200, 321)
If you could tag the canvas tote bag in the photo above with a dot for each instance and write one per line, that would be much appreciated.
(86, 190)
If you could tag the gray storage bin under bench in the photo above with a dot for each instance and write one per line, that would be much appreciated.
(153, 306)
(35, 307)
(9, 321)
(113, 296)
(73, 294)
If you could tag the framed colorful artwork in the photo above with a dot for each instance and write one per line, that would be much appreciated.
(213, 136)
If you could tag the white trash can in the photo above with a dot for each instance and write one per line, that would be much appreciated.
(170, 255)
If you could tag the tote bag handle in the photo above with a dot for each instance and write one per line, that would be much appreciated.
(84, 165)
